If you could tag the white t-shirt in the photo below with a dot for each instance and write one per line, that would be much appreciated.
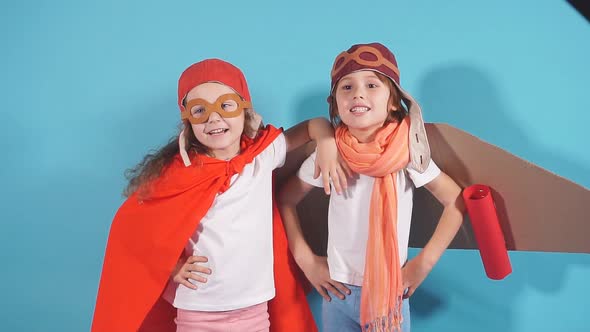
(236, 237)
(348, 218)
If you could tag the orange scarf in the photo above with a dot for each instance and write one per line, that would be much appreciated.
(147, 237)
(381, 295)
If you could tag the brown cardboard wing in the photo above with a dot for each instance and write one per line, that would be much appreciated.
(537, 210)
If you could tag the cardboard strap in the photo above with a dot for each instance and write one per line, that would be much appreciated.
(420, 154)
(488, 234)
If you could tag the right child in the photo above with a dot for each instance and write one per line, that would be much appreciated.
(369, 224)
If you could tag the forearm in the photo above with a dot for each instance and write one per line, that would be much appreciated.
(320, 129)
(448, 226)
(317, 129)
(297, 243)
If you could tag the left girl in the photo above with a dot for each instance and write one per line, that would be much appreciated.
(200, 213)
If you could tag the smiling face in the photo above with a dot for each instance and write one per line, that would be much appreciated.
(363, 103)
(220, 135)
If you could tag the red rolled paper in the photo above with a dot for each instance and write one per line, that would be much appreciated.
(487, 230)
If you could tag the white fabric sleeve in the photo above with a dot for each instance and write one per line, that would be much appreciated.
(421, 179)
(306, 171)
(279, 146)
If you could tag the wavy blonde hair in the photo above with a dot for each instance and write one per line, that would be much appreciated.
(156, 162)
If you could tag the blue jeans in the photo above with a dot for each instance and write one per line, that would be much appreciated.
(344, 315)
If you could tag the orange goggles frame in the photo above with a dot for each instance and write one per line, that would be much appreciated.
(216, 107)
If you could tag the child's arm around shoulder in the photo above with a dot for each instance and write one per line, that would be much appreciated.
(328, 161)
(448, 193)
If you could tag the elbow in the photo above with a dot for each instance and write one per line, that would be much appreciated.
(452, 200)
(459, 204)
(456, 207)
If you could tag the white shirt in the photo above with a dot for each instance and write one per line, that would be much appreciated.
(236, 237)
(348, 218)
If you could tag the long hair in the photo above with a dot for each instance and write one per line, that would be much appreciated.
(156, 162)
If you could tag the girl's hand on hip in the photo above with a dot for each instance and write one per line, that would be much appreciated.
(187, 270)
(317, 272)
(414, 273)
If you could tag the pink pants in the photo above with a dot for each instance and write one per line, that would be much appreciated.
(250, 319)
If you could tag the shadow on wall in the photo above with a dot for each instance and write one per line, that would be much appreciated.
(466, 98)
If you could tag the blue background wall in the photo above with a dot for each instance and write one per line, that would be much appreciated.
(88, 87)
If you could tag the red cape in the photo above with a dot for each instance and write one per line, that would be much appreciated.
(147, 238)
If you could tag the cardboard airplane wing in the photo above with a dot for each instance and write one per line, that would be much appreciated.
(537, 210)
